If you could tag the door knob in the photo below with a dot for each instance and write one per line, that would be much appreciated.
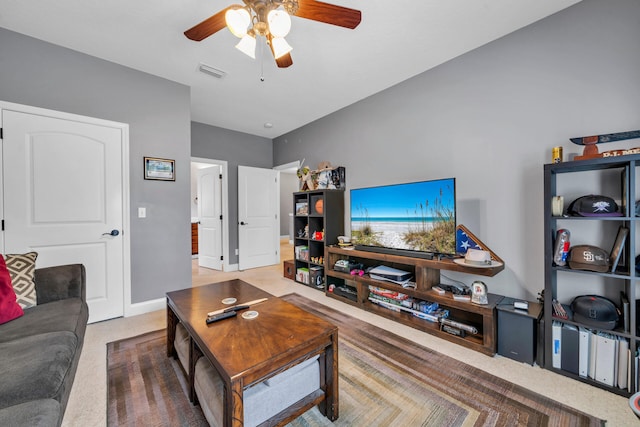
(244, 223)
(113, 233)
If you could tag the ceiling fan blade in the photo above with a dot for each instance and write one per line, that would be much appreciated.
(329, 13)
(209, 26)
(284, 61)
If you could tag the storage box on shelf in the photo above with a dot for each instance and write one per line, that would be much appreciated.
(355, 290)
(566, 340)
(318, 220)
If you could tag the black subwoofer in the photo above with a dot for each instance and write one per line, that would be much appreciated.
(518, 331)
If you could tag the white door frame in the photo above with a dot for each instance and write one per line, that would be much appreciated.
(225, 208)
(126, 219)
(287, 166)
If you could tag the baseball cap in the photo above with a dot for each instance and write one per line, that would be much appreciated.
(593, 205)
(587, 257)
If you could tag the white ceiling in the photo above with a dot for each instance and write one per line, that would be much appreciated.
(332, 67)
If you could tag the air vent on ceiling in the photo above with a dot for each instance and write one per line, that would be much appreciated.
(207, 69)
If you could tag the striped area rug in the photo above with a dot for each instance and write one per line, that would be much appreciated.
(385, 380)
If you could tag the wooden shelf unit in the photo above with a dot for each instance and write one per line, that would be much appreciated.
(426, 275)
(328, 220)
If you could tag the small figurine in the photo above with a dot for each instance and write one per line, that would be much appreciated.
(306, 179)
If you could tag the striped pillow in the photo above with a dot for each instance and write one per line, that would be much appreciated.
(22, 269)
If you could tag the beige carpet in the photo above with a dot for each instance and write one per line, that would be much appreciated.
(384, 380)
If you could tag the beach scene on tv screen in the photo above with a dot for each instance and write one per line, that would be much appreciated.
(417, 216)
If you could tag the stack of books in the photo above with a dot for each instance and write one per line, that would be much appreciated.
(398, 302)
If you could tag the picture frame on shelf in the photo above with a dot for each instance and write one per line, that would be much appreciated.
(618, 247)
(302, 208)
(159, 169)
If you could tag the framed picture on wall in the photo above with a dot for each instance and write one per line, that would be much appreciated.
(160, 169)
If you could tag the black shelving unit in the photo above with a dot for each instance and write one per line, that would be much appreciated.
(318, 221)
(614, 177)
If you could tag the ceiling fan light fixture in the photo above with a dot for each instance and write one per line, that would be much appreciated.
(279, 23)
(238, 21)
(280, 47)
(271, 20)
(247, 45)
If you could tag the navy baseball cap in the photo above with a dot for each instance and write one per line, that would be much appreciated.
(593, 205)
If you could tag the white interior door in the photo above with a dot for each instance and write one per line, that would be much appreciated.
(63, 198)
(258, 222)
(210, 218)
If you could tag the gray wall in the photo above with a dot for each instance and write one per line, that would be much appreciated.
(238, 149)
(490, 118)
(158, 113)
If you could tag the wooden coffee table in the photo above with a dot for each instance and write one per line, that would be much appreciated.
(248, 351)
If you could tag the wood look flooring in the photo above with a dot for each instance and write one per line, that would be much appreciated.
(87, 404)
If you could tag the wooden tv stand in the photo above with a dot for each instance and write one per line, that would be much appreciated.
(426, 275)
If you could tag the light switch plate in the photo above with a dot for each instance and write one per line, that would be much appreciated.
(142, 212)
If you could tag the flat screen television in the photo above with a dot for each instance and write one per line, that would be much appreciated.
(416, 219)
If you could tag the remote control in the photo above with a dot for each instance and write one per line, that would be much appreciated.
(221, 316)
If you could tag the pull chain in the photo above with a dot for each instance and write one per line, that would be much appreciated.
(261, 62)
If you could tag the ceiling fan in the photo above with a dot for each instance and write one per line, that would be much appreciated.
(271, 20)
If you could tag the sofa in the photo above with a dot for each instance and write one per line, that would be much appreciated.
(40, 350)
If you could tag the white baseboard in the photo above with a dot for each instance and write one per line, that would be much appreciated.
(158, 304)
(146, 307)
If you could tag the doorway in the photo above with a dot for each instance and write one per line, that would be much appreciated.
(205, 239)
(289, 184)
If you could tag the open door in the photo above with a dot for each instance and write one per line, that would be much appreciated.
(210, 217)
(258, 221)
